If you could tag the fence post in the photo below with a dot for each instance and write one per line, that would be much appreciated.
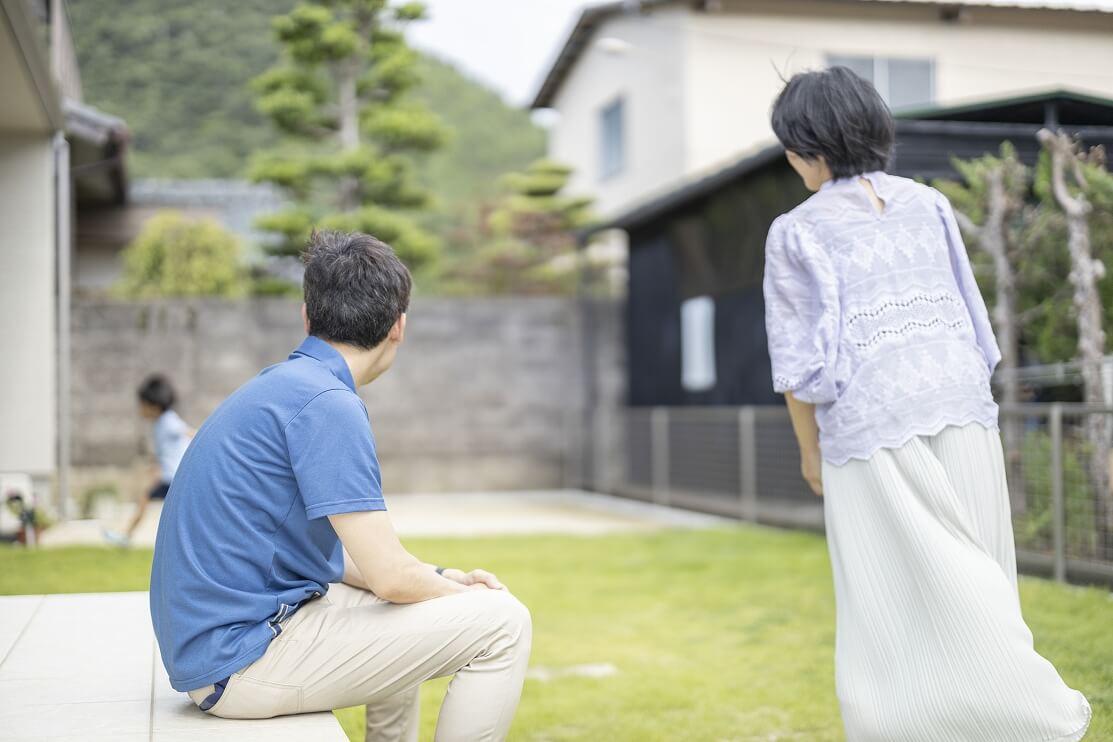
(747, 463)
(1058, 514)
(601, 458)
(659, 431)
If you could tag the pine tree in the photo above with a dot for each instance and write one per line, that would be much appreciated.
(339, 93)
(529, 239)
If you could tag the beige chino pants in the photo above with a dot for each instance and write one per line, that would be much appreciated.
(350, 647)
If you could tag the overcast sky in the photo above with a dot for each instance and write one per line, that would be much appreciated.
(509, 44)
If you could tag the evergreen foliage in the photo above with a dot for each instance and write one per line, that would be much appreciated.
(339, 91)
(528, 244)
(180, 74)
(174, 257)
(1048, 330)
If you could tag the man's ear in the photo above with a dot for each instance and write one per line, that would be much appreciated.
(305, 318)
(398, 331)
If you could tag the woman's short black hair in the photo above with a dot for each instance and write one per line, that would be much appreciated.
(157, 391)
(836, 115)
(356, 288)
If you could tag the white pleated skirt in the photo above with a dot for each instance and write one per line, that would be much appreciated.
(930, 643)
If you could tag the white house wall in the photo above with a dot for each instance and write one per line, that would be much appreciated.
(648, 72)
(735, 59)
(27, 304)
(699, 85)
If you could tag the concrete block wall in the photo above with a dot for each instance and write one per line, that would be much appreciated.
(486, 394)
(608, 432)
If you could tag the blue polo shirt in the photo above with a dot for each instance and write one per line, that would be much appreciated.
(243, 539)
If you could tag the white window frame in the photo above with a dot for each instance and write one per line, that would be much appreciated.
(697, 344)
(881, 73)
(606, 171)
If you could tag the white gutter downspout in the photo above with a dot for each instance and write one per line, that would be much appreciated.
(63, 240)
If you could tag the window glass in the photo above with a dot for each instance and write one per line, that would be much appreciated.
(902, 83)
(910, 83)
(697, 344)
(862, 66)
(612, 135)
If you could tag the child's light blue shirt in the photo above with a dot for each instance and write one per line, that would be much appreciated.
(171, 440)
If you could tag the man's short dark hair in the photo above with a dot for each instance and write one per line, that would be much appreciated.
(356, 288)
(157, 391)
(836, 115)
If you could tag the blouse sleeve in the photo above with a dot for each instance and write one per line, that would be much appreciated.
(801, 314)
(967, 285)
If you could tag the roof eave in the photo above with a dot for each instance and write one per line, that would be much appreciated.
(35, 56)
(691, 192)
(1048, 94)
(580, 34)
(654, 207)
(592, 16)
(92, 125)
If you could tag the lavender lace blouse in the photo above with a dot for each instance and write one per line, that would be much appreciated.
(875, 317)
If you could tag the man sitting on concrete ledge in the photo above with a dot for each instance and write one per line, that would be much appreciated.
(279, 585)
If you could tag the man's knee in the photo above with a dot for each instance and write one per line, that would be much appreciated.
(509, 612)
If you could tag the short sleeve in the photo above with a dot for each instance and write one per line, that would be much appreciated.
(801, 314)
(968, 285)
(175, 426)
(332, 453)
(167, 432)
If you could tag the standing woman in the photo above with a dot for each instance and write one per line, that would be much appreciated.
(881, 343)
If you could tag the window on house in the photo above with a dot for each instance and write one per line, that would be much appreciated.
(612, 150)
(903, 83)
(697, 344)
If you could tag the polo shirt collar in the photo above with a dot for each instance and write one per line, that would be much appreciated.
(317, 349)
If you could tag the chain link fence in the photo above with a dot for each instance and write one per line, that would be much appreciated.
(743, 462)
(1059, 475)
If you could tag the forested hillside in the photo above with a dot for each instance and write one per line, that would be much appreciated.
(179, 70)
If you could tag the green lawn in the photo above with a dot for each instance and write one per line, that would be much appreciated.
(723, 635)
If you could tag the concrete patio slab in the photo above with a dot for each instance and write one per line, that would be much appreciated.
(86, 667)
(558, 512)
(466, 514)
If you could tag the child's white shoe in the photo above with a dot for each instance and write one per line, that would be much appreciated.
(116, 538)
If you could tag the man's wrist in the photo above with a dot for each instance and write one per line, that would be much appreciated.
(456, 576)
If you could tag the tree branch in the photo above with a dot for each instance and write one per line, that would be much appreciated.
(1062, 149)
(966, 224)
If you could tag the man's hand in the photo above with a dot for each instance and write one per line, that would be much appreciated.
(381, 562)
(477, 578)
(811, 466)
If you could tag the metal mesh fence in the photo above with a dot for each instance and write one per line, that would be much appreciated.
(777, 458)
(703, 452)
(639, 453)
(740, 462)
(744, 462)
(1059, 480)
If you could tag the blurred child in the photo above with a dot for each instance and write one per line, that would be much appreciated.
(170, 436)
